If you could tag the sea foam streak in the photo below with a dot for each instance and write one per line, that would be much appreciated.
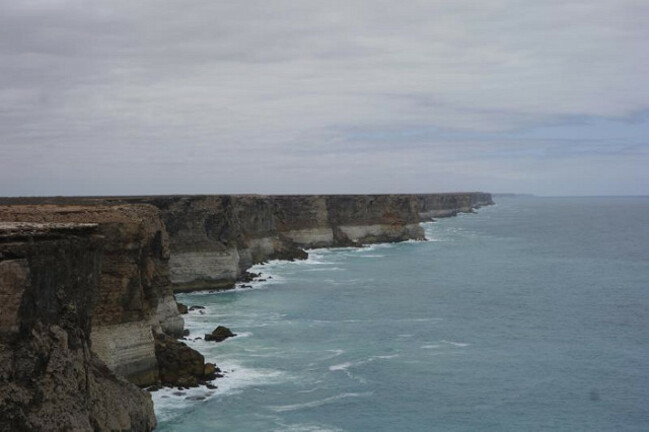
(457, 344)
(317, 403)
(306, 427)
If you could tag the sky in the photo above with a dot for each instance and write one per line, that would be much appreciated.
(165, 96)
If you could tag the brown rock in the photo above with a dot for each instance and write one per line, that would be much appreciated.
(134, 290)
(219, 334)
(50, 380)
(180, 365)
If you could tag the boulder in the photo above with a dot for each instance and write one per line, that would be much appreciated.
(180, 365)
(219, 334)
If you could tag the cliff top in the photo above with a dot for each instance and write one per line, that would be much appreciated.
(83, 200)
(63, 212)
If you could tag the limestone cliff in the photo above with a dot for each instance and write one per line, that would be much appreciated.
(134, 298)
(449, 204)
(50, 380)
(215, 238)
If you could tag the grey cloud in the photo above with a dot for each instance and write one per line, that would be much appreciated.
(215, 96)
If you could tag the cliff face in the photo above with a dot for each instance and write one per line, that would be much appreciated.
(445, 205)
(50, 380)
(134, 297)
(214, 238)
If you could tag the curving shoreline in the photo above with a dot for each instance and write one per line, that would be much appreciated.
(150, 247)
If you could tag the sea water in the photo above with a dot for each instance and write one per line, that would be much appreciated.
(529, 315)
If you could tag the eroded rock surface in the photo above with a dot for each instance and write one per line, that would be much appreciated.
(50, 380)
(134, 299)
(181, 366)
(219, 334)
(450, 204)
(214, 239)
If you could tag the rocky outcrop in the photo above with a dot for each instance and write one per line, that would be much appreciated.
(219, 334)
(134, 298)
(181, 366)
(50, 380)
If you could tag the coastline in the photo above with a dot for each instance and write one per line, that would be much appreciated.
(238, 377)
(224, 237)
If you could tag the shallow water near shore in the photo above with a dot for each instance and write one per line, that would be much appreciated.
(529, 315)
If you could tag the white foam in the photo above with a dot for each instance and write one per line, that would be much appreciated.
(412, 241)
(317, 403)
(324, 269)
(244, 334)
(306, 427)
(383, 357)
(341, 366)
(344, 367)
(418, 319)
(375, 246)
(457, 344)
(430, 346)
(168, 405)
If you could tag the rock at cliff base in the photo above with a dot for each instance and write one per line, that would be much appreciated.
(195, 307)
(291, 254)
(219, 334)
(182, 309)
(180, 365)
(247, 276)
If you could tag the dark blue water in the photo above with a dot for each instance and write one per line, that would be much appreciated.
(530, 315)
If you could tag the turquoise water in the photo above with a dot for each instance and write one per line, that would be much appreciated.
(530, 315)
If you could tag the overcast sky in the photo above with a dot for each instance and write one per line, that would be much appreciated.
(138, 97)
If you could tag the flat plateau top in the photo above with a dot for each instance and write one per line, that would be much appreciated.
(11, 230)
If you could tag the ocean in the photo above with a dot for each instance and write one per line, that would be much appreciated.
(529, 315)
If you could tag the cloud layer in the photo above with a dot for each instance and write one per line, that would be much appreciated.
(338, 96)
